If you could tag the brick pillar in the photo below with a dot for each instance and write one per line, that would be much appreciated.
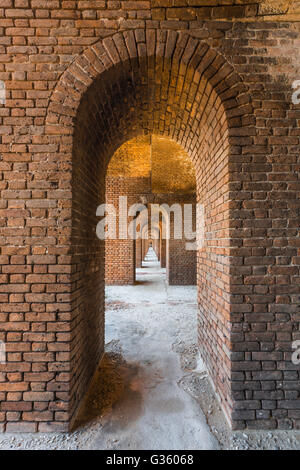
(163, 248)
(182, 264)
(146, 248)
(156, 247)
(138, 253)
(120, 258)
(243, 139)
(143, 250)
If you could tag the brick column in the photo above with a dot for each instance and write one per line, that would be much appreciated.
(163, 247)
(182, 264)
(120, 258)
(138, 253)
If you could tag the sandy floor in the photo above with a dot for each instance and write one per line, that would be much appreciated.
(151, 391)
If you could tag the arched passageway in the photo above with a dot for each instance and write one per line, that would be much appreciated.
(172, 85)
(150, 366)
(224, 84)
(150, 182)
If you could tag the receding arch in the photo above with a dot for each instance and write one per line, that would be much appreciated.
(149, 171)
(174, 85)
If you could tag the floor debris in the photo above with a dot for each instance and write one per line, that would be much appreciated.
(151, 390)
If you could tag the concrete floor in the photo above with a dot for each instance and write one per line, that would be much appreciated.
(155, 329)
(151, 391)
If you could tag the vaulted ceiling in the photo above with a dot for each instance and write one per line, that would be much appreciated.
(158, 158)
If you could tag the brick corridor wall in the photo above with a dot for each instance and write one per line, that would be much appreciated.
(182, 263)
(146, 246)
(72, 100)
(163, 247)
(87, 301)
(157, 244)
(138, 253)
(182, 268)
(156, 248)
(120, 254)
(214, 258)
(123, 256)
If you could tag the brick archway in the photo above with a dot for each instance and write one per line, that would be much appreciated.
(159, 82)
(165, 83)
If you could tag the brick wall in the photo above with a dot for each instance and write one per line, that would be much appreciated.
(156, 247)
(181, 264)
(163, 247)
(123, 256)
(120, 254)
(214, 262)
(145, 244)
(221, 88)
(138, 253)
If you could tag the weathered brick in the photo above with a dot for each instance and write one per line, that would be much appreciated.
(228, 104)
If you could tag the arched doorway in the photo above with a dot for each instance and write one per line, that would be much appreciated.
(171, 85)
(150, 180)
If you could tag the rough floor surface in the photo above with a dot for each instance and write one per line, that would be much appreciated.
(151, 390)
